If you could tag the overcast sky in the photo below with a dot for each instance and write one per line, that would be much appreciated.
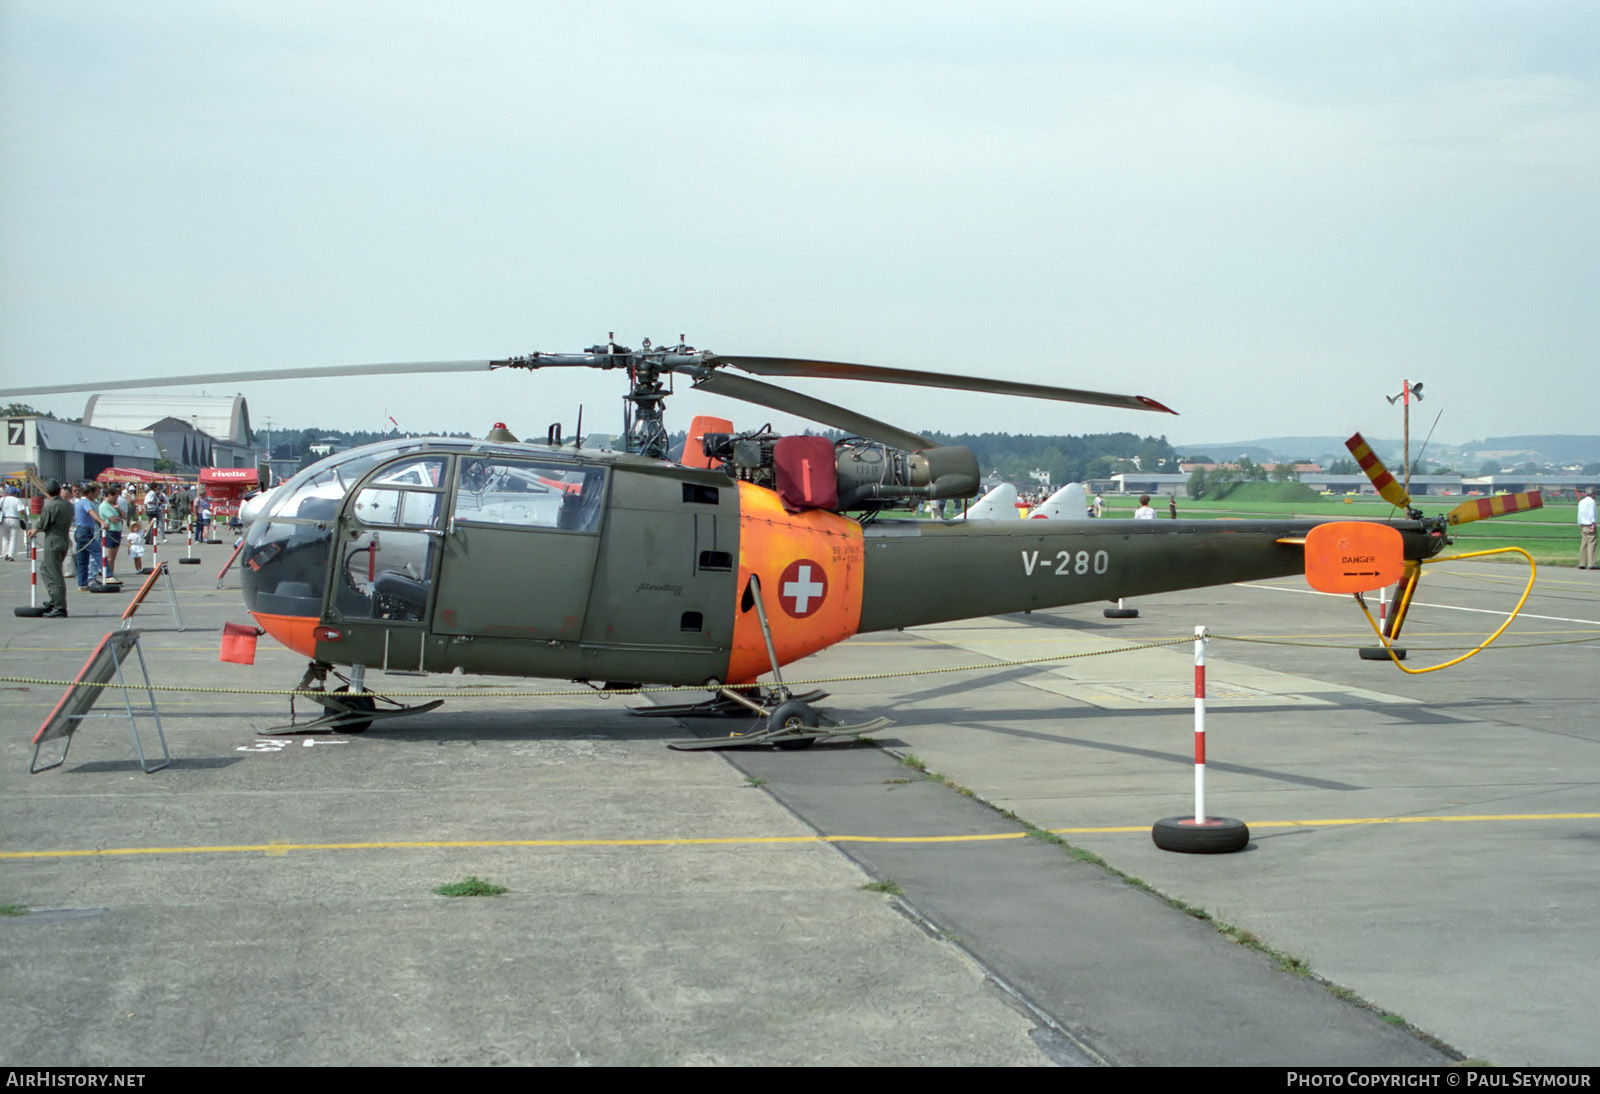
(1265, 215)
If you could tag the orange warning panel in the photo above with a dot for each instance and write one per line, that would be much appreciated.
(1353, 556)
(810, 565)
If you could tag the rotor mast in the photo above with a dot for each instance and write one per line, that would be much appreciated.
(644, 429)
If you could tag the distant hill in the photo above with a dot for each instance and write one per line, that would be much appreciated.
(1552, 447)
(1556, 448)
(1274, 449)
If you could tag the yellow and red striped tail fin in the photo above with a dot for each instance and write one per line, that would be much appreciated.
(1391, 490)
(1497, 506)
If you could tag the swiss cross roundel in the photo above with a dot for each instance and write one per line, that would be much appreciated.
(802, 588)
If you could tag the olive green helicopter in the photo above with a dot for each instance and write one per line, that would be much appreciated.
(748, 552)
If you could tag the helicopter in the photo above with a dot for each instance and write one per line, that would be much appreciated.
(618, 566)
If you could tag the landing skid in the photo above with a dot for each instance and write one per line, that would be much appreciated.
(790, 722)
(785, 737)
(718, 707)
(348, 709)
(344, 718)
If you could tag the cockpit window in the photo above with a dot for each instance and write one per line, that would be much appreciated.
(421, 472)
(404, 495)
(529, 494)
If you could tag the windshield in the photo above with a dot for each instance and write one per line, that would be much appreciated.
(315, 493)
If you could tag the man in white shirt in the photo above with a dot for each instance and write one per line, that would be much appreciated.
(1144, 512)
(1586, 530)
(13, 517)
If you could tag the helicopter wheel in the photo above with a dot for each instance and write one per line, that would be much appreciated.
(354, 723)
(793, 715)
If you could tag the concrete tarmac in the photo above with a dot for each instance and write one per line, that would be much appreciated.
(268, 899)
(1426, 842)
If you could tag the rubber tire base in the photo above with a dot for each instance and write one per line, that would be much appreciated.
(30, 612)
(1217, 836)
(1121, 613)
(1379, 653)
(188, 562)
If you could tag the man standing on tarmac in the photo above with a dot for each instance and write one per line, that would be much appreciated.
(13, 521)
(111, 513)
(1586, 530)
(86, 535)
(155, 504)
(55, 525)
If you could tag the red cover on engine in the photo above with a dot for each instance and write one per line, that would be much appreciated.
(805, 473)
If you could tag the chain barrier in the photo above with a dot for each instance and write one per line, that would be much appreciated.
(1595, 637)
(667, 689)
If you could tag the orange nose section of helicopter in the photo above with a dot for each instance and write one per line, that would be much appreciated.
(293, 631)
(809, 566)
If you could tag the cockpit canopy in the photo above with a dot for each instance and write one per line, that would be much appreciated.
(392, 497)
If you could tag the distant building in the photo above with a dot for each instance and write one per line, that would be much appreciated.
(1320, 481)
(1188, 468)
(193, 431)
(72, 452)
(1554, 483)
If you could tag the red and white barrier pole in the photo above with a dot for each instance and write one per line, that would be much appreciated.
(1200, 725)
(33, 574)
(1200, 834)
(188, 558)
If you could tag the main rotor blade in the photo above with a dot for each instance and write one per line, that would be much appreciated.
(839, 370)
(260, 374)
(792, 402)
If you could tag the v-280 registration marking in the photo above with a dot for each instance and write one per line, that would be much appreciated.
(1065, 563)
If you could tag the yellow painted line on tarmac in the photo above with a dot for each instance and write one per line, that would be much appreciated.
(1424, 820)
(278, 848)
(924, 839)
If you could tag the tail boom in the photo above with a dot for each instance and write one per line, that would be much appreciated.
(920, 572)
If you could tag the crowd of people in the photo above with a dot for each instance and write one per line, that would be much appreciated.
(94, 524)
